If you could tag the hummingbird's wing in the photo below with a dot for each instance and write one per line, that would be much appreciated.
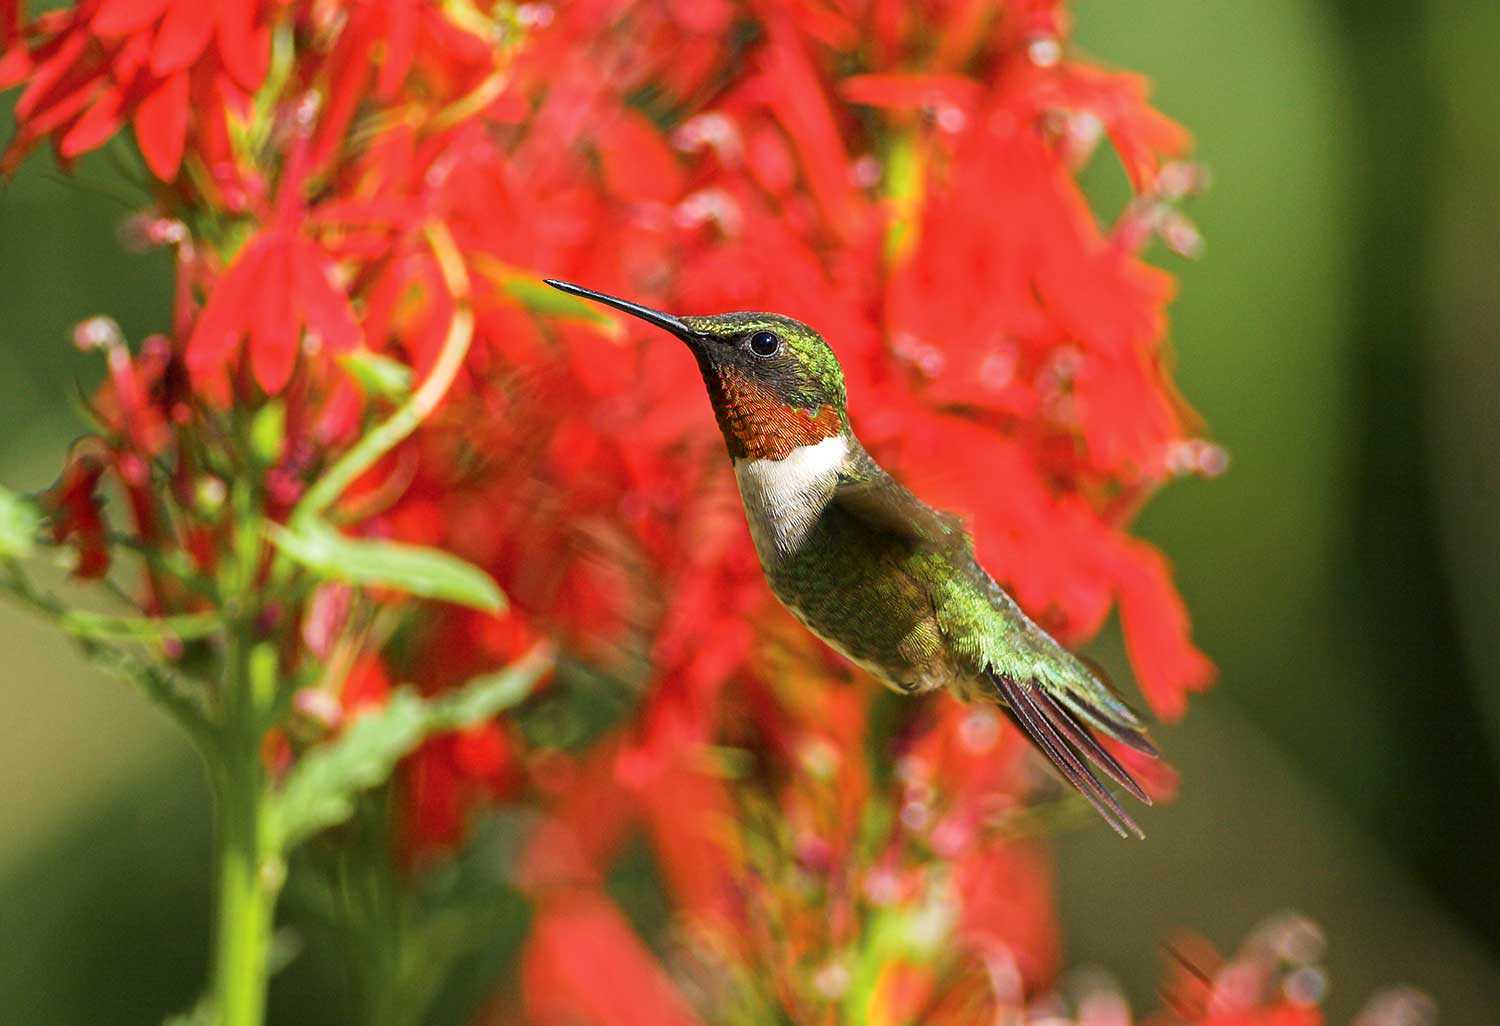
(867, 492)
(1050, 694)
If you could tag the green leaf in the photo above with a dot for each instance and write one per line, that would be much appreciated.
(484, 696)
(378, 375)
(268, 432)
(430, 573)
(541, 298)
(103, 627)
(320, 791)
(19, 523)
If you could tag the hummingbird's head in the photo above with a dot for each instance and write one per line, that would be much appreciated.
(774, 383)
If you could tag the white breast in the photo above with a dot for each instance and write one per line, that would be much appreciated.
(784, 497)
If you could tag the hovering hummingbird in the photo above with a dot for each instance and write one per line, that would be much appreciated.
(886, 580)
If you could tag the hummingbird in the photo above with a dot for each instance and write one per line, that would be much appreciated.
(886, 580)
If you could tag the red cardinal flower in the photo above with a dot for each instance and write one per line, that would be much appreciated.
(14, 59)
(279, 298)
(279, 295)
(76, 512)
(105, 62)
(585, 965)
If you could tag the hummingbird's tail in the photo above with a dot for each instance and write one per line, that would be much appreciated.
(1057, 732)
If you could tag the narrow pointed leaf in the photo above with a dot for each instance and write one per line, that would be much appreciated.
(538, 297)
(417, 570)
(320, 791)
(104, 627)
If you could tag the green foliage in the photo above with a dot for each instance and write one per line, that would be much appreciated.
(540, 298)
(321, 789)
(19, 523)
(378, 375)
(268, 432)
(581, 705)
(104, 627)
(414, 569)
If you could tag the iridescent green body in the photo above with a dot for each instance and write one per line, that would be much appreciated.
(882, 577)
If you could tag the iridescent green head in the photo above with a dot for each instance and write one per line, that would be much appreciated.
(774, 382)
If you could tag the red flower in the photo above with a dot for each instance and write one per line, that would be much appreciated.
(367, 686)
(14, 60)
(1005, 892)
(108, 61)
(77, 515)
(1155, 623)
(584, 966)
(279, 297)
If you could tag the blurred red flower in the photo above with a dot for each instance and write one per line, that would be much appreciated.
(92, 67)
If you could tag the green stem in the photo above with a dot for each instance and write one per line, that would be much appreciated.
(337, 478)
(246, 895)
(250, 867)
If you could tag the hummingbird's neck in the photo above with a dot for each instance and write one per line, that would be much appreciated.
(785, 497)
(759, 424)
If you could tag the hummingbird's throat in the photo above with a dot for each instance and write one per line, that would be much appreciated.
(758, 424)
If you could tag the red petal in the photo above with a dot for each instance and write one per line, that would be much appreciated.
(15, 64)
(66, 102)
(10, 23)
(242, 46)
(709, 17)
(324, 307)
(962, 33)
(130, 57)
(483, 752)
(122, 17)
(222, 322)
(338, 420)
(637, 163)
(434, 818)
(96, 126)
(183, 34)
(585, 965)
(908, 92)
(14, 60)
(351, 70)
(161, 124)
(1006, 897)
(367, 686)
(49, 73)
(275, 328)
(801, 105)
(770, 160)
(1157, 636)
(401, 28)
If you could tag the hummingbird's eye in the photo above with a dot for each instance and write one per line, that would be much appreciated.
(765, 343)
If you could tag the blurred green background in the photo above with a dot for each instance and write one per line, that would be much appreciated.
(1340, 337)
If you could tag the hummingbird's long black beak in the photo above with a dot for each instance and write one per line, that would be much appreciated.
(662, 320)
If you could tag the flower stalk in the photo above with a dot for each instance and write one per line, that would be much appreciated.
(246, 888)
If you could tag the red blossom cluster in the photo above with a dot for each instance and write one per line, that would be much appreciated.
(903, 177)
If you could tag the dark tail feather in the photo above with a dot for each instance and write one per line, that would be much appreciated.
(1120, 722)
(1064, 742)
(1068, 726)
